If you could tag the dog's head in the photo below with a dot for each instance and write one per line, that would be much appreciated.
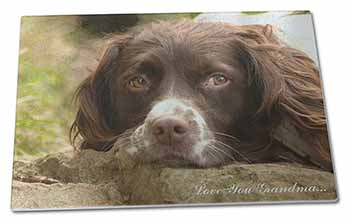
(205, 93)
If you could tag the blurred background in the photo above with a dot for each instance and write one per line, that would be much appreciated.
(58, 52)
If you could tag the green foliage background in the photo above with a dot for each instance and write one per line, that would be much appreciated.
(43, 105)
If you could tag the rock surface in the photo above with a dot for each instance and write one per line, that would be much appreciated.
(95, 179)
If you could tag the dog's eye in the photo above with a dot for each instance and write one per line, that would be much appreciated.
(138, 83)
(216, 80)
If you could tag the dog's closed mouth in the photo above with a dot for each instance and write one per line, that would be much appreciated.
(174, 160)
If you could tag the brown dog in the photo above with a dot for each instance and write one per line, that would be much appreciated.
(204, 93)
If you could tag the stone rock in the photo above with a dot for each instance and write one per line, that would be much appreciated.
(97, 179)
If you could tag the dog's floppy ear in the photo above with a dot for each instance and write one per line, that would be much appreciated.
(288, 86)
(94, 122)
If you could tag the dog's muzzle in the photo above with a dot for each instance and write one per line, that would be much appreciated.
(172, 130)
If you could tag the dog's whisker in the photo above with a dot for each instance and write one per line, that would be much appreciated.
(211, 153)
(222, 134)
(219, 152)
(226, 136)
(232, 142)
(215, 154)
(232, 149)
(222, 152)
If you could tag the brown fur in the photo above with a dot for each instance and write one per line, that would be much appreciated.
(286, 82)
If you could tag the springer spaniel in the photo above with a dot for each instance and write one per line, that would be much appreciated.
(204, 94)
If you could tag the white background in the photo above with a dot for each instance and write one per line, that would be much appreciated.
(332, 28)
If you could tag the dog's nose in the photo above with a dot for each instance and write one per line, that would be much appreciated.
(169, 130)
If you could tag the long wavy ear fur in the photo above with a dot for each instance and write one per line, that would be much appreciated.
(93, 124)
(289, 86)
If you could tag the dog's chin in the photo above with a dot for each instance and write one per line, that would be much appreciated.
(192, 156)
(173, 160)
(190, 159)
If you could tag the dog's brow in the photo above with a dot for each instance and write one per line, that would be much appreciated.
(209, 66)
(147, 64)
